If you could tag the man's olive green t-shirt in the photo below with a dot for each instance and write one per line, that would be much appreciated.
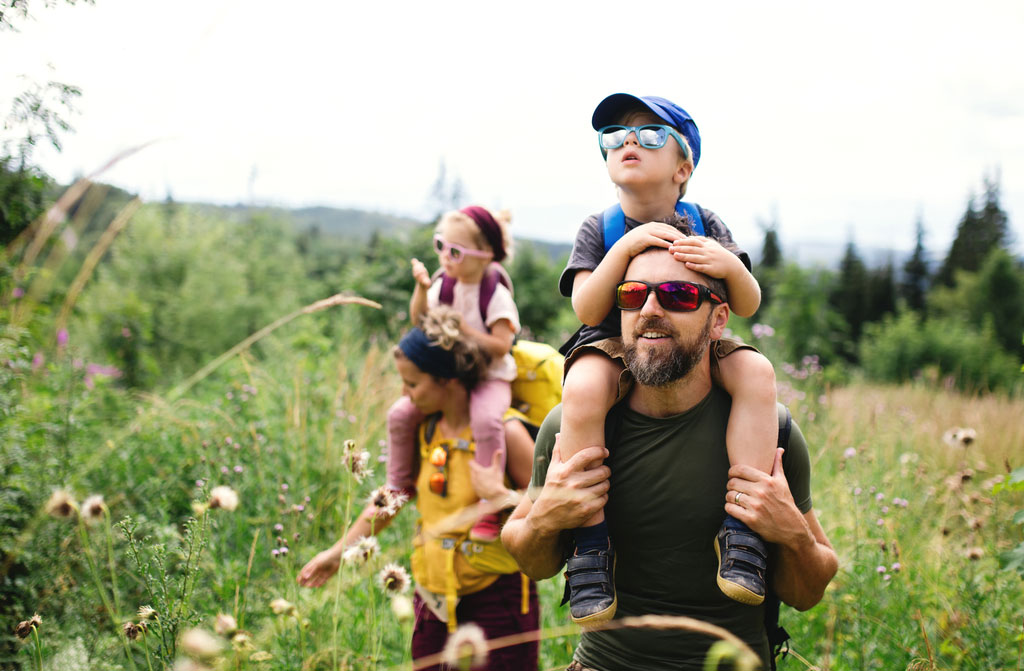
(665, 506)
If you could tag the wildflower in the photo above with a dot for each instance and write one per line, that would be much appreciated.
(887, 576)
(278, 527)
(238, 468)
(387, 500)
(240, 640)
(895, 568)
(62, 337)
(24, 629)
(199, 484)
(762, 331)
(200, 644)
(260, 656)
(38, 359)
(975, 553)
(959, 437)
(131, 630)
(879, 521)
(881, 569)
(274, 552)
(93, 509)
(394, 579)
(401, 606)
(879, 496)
(61, 504)
(283, 607)
(284, 486)
(468, 643)
(147, 612)
(223, 497)
(857, 491)
(225, 624)
(885, 509)
(17, 292)
(850, 453)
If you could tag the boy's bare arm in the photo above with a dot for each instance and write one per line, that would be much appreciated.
(707, 256)
(593, 291)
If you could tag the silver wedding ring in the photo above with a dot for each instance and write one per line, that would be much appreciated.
(736, 499)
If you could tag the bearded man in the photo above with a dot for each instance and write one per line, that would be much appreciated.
(663, 482)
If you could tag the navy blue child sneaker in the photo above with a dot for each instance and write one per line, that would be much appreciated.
(590, 585)
(742, 560)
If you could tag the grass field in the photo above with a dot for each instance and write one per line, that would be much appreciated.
(912, 509)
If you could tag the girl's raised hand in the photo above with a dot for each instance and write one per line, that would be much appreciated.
(654, 234)
(420, 274)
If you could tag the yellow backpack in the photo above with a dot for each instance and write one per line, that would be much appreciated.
(538, 384)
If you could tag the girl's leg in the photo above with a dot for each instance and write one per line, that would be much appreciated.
(751, 439)
(487, 405)
(588, 392)
(403, 421)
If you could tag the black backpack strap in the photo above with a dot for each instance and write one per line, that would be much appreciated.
(778, 637)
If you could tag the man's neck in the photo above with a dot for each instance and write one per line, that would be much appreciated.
(646, 206)
(674, 398)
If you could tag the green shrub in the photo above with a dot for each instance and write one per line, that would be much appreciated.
(905, 347)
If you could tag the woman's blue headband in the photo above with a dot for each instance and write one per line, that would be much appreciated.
(428, 357)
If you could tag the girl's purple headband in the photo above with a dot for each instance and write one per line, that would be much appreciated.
(489, 227)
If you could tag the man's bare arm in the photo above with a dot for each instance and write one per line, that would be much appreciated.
(536, 534)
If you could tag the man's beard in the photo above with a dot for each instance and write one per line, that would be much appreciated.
(661, 366)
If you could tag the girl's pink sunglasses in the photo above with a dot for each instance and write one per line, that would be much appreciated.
(457, 252)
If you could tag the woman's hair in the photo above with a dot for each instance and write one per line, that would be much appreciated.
(442, 326)
(502, 217)
(685, 154)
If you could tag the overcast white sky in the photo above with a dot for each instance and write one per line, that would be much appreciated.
(836, 120)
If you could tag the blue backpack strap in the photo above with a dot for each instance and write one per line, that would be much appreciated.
(613, 222)
(684, 209)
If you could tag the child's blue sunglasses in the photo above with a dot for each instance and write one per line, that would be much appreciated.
(651, 136)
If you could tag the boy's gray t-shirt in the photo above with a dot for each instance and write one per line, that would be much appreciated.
(588, 251)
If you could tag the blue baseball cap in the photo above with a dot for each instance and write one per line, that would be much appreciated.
(611, 109)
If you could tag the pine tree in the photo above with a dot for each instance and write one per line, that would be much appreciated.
(980, 230)
(881, 299)
(850, 293)
(771, 262)
(914, 286)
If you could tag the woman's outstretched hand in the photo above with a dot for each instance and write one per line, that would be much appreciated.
(320, 568)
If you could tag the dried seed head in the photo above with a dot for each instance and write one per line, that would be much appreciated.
(387, 500)
(260, 656)
(401, 606)
(225, 624)
(393, 579)
(467, 643)
(361, 550)
(131, 630)
(241, 641)
(358, 464)
(975, 553)
(93, 509)
(147, 612)
(200, 644)
(283, 607)
(61, 504)
(24, 628)
(223, 497)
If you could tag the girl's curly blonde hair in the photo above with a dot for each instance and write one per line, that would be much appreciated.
(443, 327)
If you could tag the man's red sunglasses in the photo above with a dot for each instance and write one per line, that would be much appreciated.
(676, 296)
